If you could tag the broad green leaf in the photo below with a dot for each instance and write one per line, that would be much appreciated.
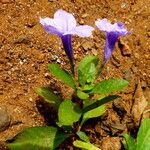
(129, 142)
(110, 85)
(98, 103)
(49, 96)
(85, 145)
(38, 138)
(61, 74)
(93, 113)
(87, 69)
(83, 136)
(68, 113)
(88, 75)
(82, 95)
(87, 60)
(143, 137)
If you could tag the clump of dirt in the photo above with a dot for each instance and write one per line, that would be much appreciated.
(26, 50)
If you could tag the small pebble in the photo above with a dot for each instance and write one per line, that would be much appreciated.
(87, 45)
(81, 22)
(46, 74)
(9, 72)
(128, 74)
(22, 39)
(137, 55)
(143, 84)
(84, 16)
(21, 62)
(30, 99)
(124, 5)
(94, 52)
(54, 57)
(134, 69)
(125, 49)
(58, 61)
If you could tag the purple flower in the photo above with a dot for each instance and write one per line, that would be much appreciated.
(113, 31)
(64, 25)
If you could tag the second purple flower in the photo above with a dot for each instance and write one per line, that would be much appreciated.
(113, 31)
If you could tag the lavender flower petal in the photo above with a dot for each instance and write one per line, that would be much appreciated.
(50, 26)
(82, 31)
(67, 20)
(113, 31)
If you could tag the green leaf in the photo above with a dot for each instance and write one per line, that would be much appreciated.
(87, 70)
(68, 113)
(100, 102)
(87, 87)
(38, 138)
(93, 113)
(87, 60)
(85, 145)
(110, 85)
(82, 95)
(129, 142)
(83, 136)
(61, 74)
(87, 102)
(143, 137)
(49, 96)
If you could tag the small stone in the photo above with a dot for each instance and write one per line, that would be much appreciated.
(125, 49)
(63, 53)
(30, 99)
(22, 39)
(4, 118)
(9, 72)
(134, 69)
(75, 56)
(128, 75)
(143, 84)
(21, 62)
(87, 45)
(54, 57)
(58, 61)
(94, 52)
(31, 23)
(84, 16)
(81, 22)
(46, 74)
(137, 55)
(124, 5)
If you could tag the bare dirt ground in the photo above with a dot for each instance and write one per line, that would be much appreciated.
(26, 50)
